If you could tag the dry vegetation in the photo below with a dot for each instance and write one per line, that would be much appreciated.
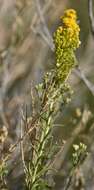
(26, 53)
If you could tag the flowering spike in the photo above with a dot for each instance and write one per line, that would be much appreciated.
(66, 40)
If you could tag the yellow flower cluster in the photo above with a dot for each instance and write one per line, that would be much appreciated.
(66, 40)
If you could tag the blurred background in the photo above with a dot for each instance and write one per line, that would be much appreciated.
(26, 53)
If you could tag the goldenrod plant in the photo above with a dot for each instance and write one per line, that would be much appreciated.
(53, 91)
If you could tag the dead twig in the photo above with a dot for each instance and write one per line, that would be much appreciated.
(44, 31)
(82, 76)
(91, 15)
